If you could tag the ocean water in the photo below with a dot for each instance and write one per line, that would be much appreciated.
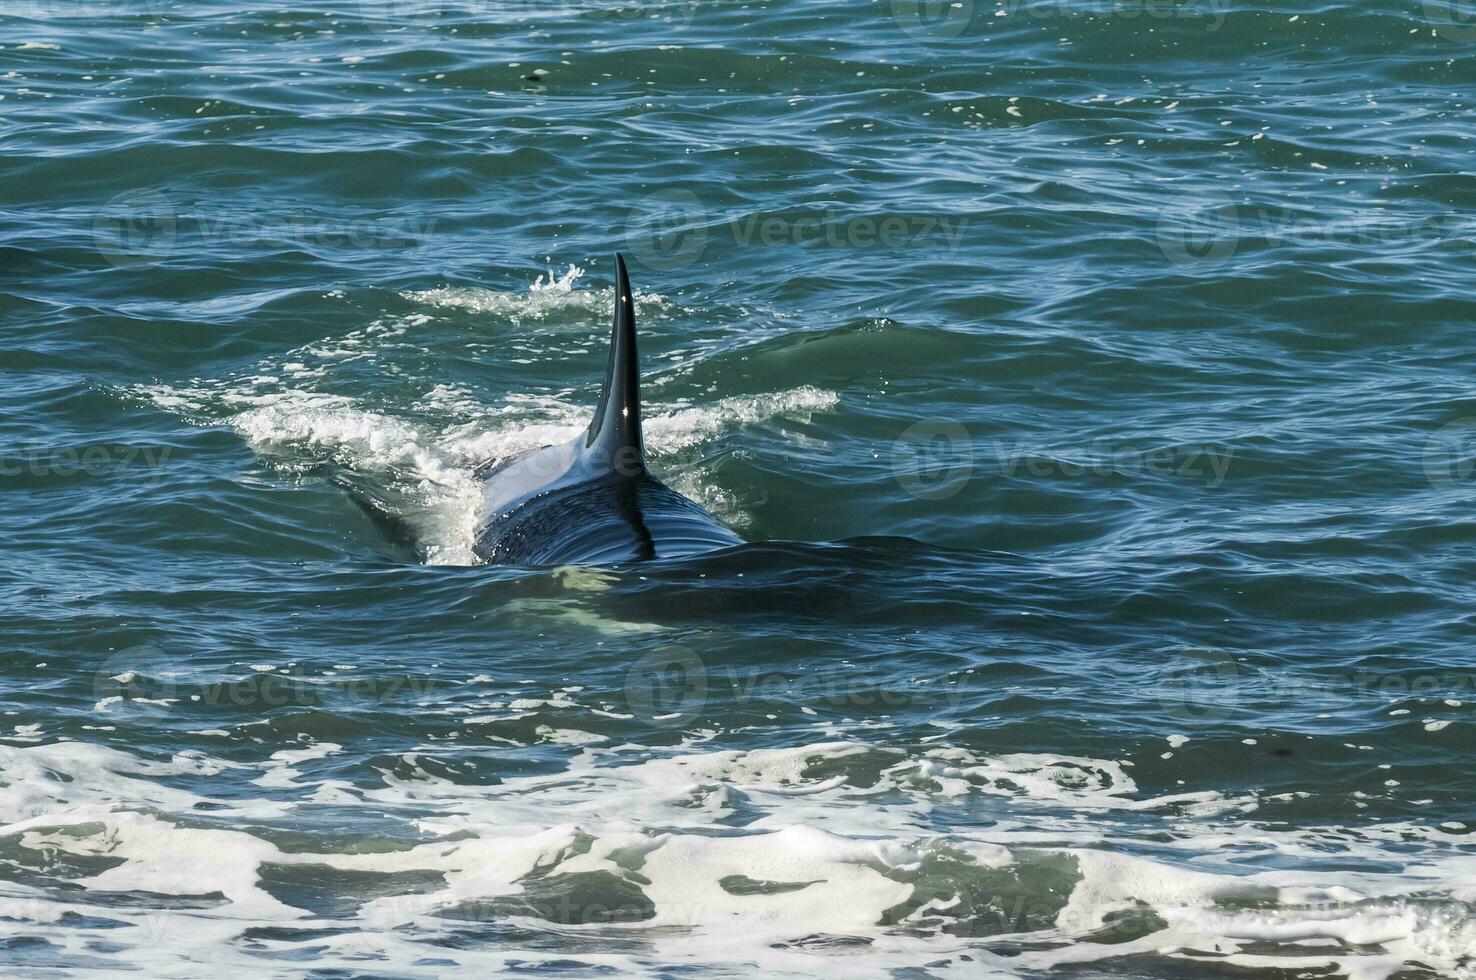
(1092, 377)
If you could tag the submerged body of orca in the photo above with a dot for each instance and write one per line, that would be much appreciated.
(592, 500)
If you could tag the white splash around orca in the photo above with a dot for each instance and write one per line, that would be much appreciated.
(592, 500)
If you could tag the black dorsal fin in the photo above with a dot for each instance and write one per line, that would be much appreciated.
(615, 432)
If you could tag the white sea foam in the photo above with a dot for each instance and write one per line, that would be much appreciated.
(549, 298)
(417, 460)
(831, 869)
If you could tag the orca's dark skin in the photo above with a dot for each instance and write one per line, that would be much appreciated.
(592, 500)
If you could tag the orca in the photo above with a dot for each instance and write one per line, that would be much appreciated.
(592, 501)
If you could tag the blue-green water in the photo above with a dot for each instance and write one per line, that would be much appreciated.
(1093, 380)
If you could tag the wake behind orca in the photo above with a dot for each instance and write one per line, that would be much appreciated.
(592, 500)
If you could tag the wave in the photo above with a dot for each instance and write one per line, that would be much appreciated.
(814, 858)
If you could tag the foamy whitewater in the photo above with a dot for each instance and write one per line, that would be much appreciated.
(813, 859)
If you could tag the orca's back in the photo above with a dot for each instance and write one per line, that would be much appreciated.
(603, 522)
